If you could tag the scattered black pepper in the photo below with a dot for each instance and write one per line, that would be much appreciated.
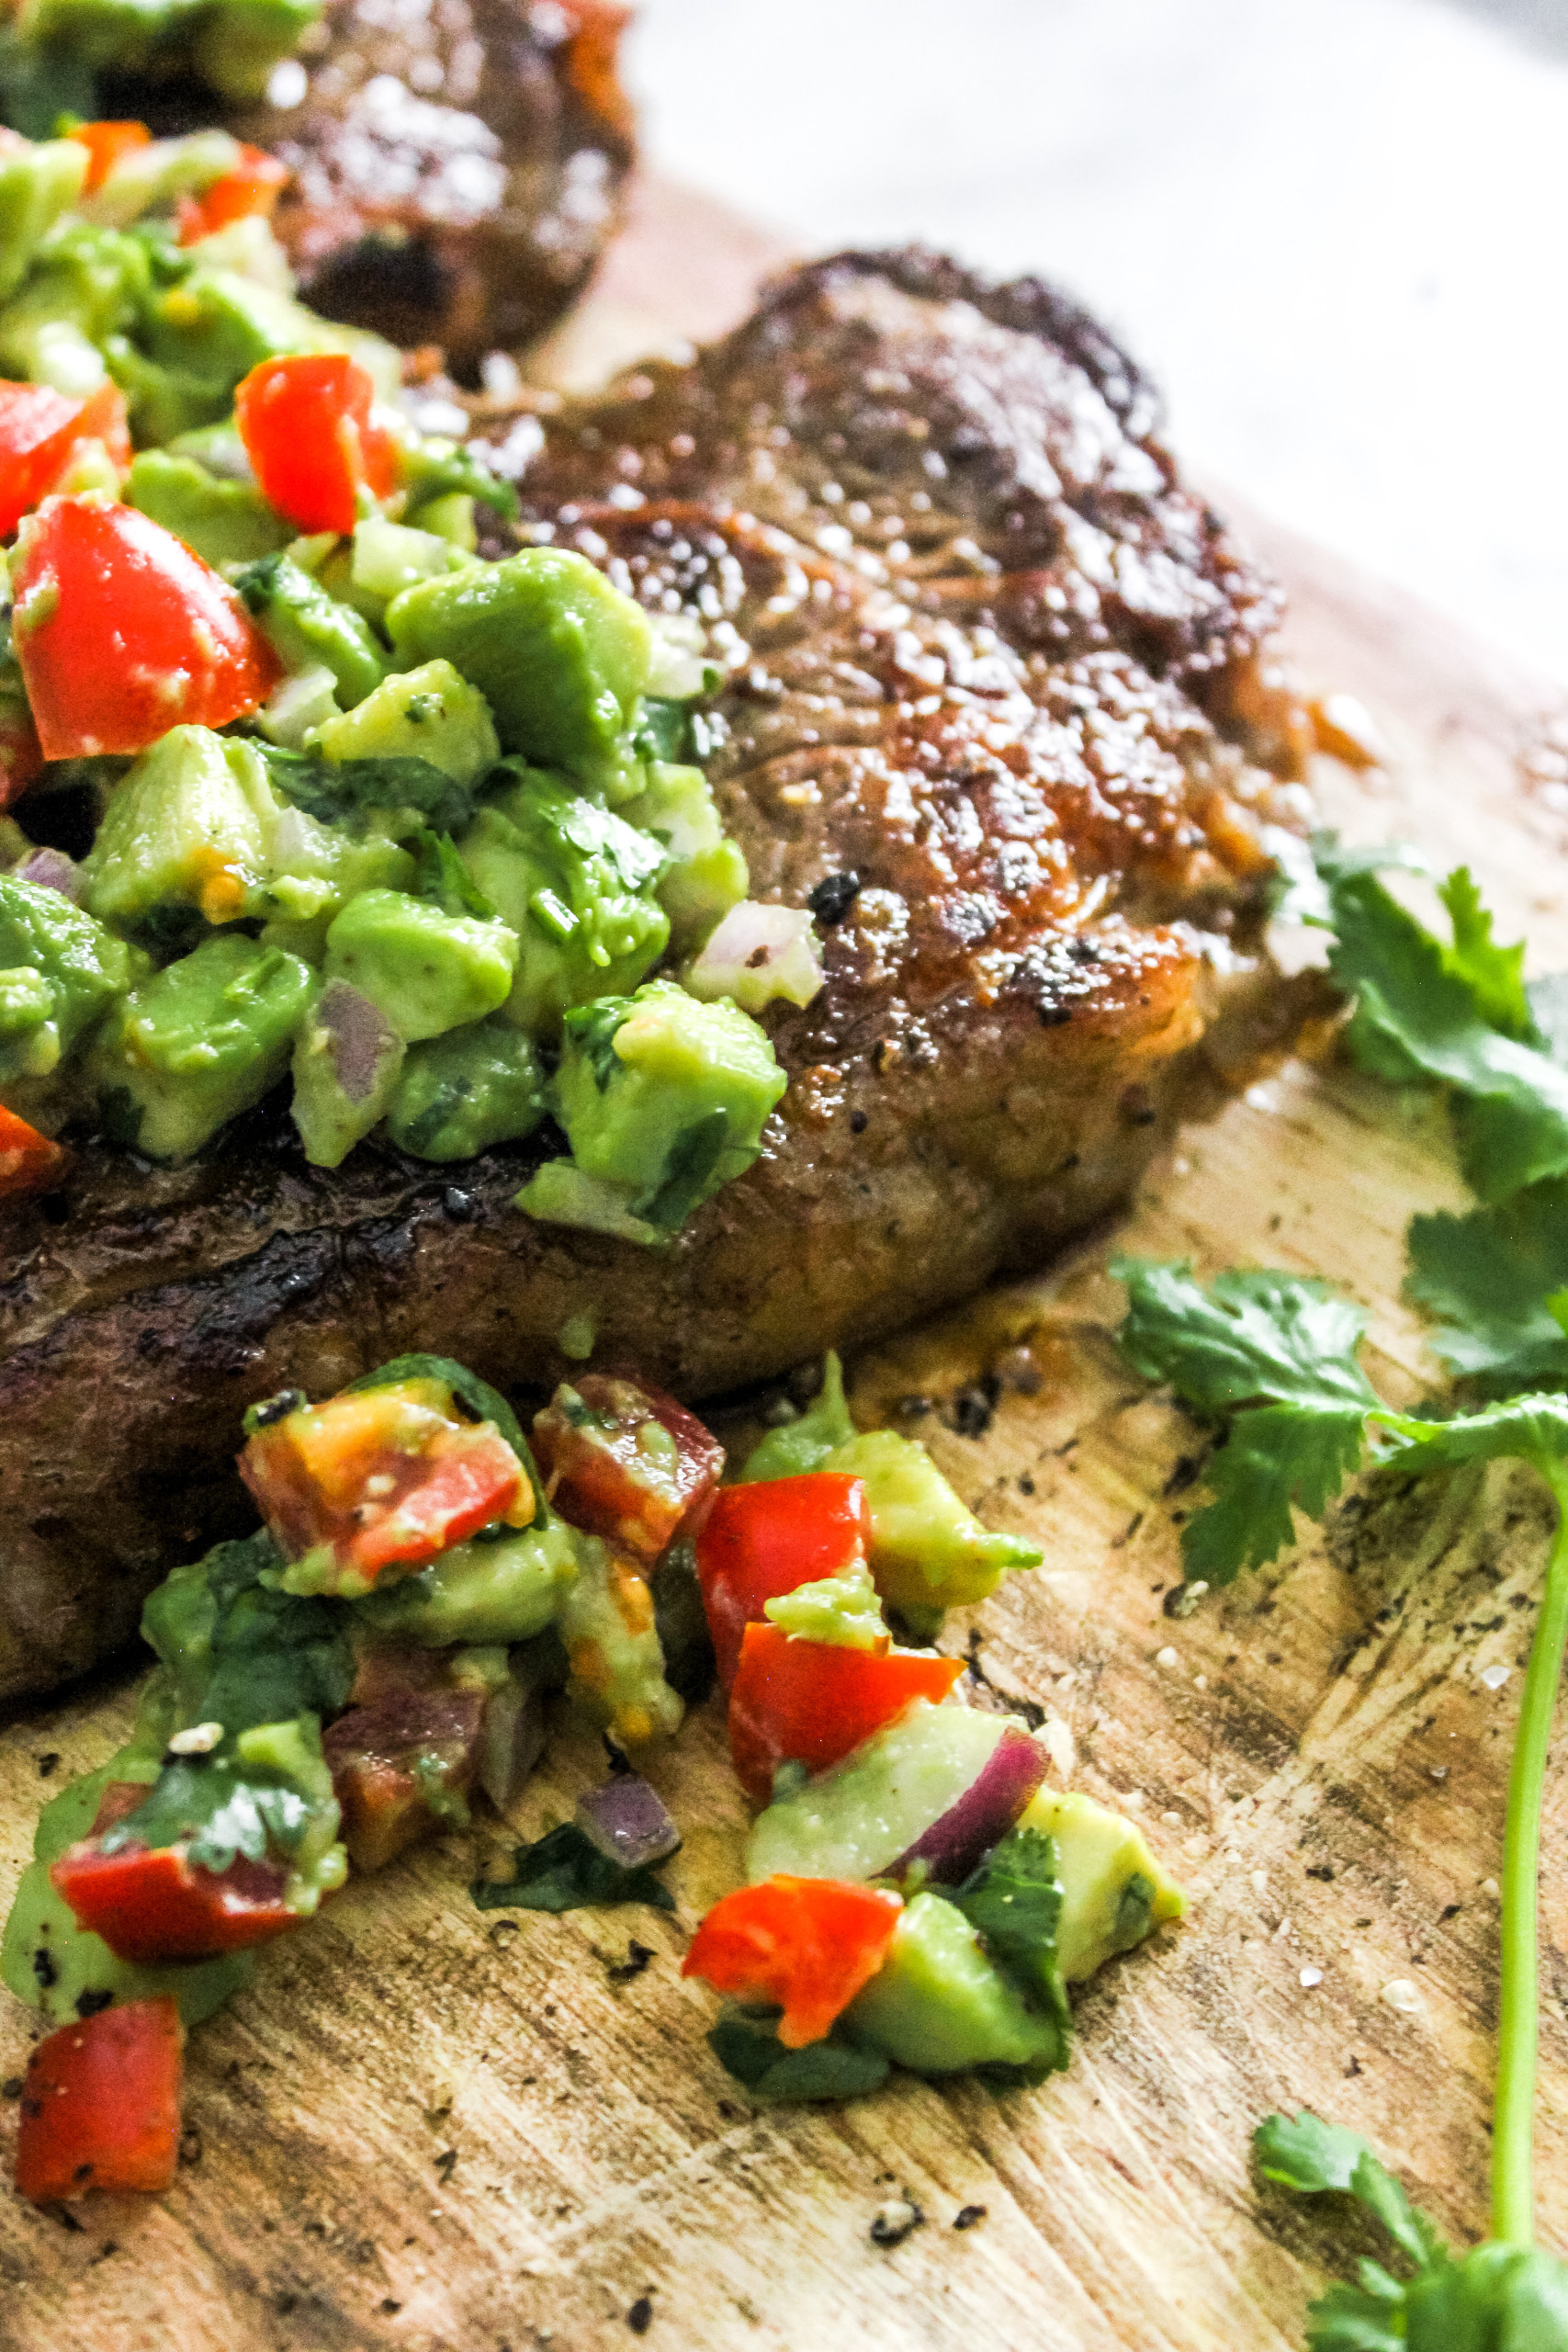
(1026, 1485)
(89, 2003)
(44, 1968)
(833, 896)
(636, 1960)
(967, 2216)
(639, 2319)
(446, 2164)
(974, 1408)
(896, 2220)
(47, 1763)
(1324, 1870)
(11, 2087)
(390, 2308)
(859, 1122)
(190, 2145)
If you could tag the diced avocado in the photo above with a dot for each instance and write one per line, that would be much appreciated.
(198, 1042)
(249, 247)
(503, 1591)
(188, 826)
(607, 1624)
(561, 1194)
(345, 1067)
(83, 967)
(665, 1094)
(842, 1608)
(855, 1821)
(152, 178)
(450, 518)
(1116, 1892)
(219, 450)
(426, 713)
(577, 885)
(462, 1093)
(297, 705)
(427, 970)
(37, 185)
(307, 626)
(560, 655)
(937, 2004)
(88, 287)
(387, 557)
(706, 874)
(236, 44)
(928, 1550)
(59, 1968)
(435, 469)
(194, 339)
(804, 1444)
(225, 522)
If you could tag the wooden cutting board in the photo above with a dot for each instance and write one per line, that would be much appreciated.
(429, 2128)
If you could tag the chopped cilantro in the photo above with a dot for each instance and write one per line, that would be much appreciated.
(1013, 1900)
(565, 1871)
(746, 2044)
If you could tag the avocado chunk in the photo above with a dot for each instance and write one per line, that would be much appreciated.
(842, 1608)
(345, 1067)
(198, 1042)
(559, 655)
(505, 1591)
(577, 886)
(426, 713)
(857, 1820)
(427, 970)
(387, 557)
(461, 1092)
(80, 966)
(232, 44)
(705, 874)
(188, 826)
(1115, 1891)
(928, 1552)
(307, 626)
(225, 522)
(937, 2004)
(86, 288)
(37, 185)
(665, 1096)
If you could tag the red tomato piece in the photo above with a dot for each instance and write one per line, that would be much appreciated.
(806, 1944)
(105, 142)
(761, 1541)
(29, 1161)
(39, 431)
(306, 425)
(101, 2104)
(401, 1766)
(123, 632)
(811, 1702)
(254, 186)
(625, 1462)
(152, 1904)
(383, 1475)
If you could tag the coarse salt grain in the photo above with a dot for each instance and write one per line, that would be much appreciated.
(1311, 1976)
(1168, 1657)
(1493, 1677)
(1401, 1994)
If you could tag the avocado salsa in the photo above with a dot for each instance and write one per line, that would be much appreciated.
(382, 1655)
(425, 835)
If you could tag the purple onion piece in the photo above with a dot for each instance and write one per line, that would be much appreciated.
(362, 1039)
(512, 1740)
(51, 869)
(960, 1838)
(627, 1820)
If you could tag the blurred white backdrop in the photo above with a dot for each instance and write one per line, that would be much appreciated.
(1336, 230)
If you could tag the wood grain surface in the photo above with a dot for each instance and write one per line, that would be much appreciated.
(441, 2130)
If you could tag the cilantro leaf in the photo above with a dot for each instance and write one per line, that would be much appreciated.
(1487, 1276)
(1311, 2156)
(565, 1871)
(444, 879)
(1494, 975)
(1499, 2298)
(1276, 1459)
(1549, 1011)
(746, 2044)
(1519, 1428)
(336, 791)
(240, 1653)
(1013, 1899)
(223, 1808)
(1425, 1011)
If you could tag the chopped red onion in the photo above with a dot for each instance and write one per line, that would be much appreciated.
(513, 1739)
(626, 1819)
(758, 953)
(361, 1038)
(51, 869)
(958, 1839)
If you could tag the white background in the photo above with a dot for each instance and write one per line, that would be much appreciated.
(1338, 229)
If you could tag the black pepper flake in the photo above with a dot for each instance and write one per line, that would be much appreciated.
(47, 1763)
(446, 2164)
(90, 2002)
(11, 2087)
(191, 2150)
(833, 896)
(636, 1960)
(390, 2306)
(973, 1408)
(44, 1968)
(859, 1122)
(1324, 1871)
(895, 2221)
(639, 2319)
(967, 2216)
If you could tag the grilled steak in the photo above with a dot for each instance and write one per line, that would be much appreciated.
(456, 162)
(992, 705)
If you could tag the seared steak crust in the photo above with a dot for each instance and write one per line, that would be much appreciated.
(982, 649)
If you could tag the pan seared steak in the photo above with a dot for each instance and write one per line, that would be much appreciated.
(457, 164)
(992, 707)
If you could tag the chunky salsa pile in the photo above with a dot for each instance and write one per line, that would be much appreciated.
(424, 835)
(351, 1677)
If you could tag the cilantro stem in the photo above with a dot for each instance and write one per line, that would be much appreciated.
(1512, 2195)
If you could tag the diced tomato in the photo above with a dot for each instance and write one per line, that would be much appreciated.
(806, 1944)
(101, 2104)
(625, 1462)
(383, 1476)
(401, 1767)
(254, 186)
(29, 1161)
(123, 632)
(306, 425)
(761, 1541)
(40, 431)
(105, 142)
(811, 1702)
(152, 1904)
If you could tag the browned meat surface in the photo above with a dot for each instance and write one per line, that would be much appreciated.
(983, 652)
(457, 162)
